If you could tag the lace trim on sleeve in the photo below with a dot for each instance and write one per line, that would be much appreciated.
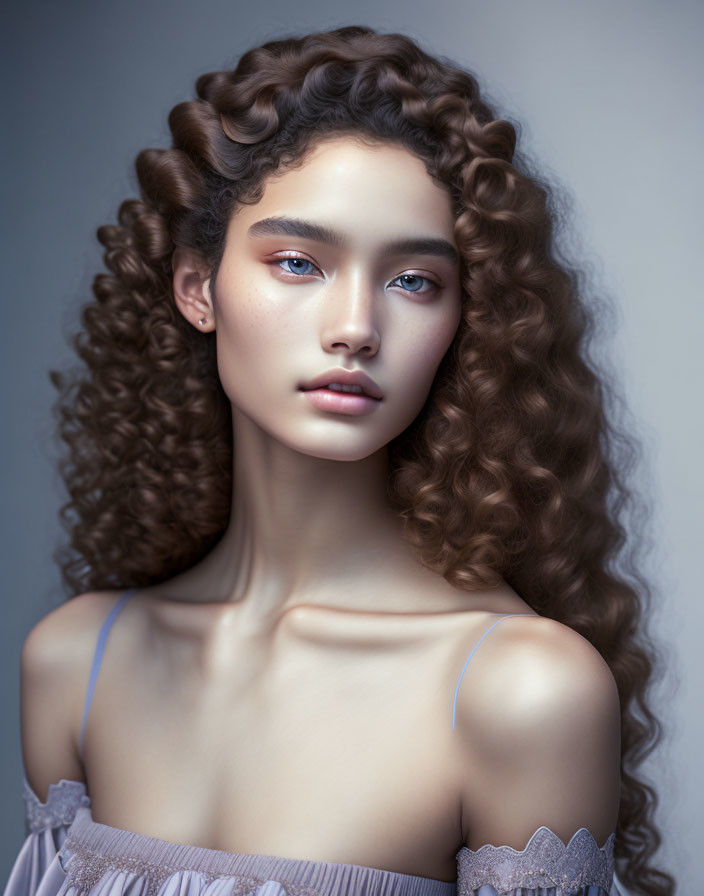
(545, 862)
(62, 803)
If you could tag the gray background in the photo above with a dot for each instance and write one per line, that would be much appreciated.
(610, 99)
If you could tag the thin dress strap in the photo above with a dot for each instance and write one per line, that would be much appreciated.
(466, 662)
(98, 655)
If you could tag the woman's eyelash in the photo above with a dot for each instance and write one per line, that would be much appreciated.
(280, 261)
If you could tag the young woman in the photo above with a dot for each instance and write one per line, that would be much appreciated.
(339, 478)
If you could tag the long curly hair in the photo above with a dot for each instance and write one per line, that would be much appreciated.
(512, 468)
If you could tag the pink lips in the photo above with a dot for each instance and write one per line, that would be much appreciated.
(340, 402)
(345, 377)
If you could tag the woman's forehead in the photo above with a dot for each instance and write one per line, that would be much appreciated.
(350, 152)
(355, 188)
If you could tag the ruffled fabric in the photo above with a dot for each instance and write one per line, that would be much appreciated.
(66, 853)
(545, 867)
(37, 869)
(113, 860)
(62, 803)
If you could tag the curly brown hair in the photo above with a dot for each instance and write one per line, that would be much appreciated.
(510, 467)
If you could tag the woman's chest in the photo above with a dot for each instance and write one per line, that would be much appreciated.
(325, 747)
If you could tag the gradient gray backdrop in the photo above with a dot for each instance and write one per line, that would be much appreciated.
(610, 98)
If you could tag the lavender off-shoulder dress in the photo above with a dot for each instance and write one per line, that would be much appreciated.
(66, 853)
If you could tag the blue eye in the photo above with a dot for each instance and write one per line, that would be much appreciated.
(298, 261)
(411, 277)
(411, 282)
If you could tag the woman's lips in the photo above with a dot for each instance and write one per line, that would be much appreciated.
(342, 376)
(352, 403)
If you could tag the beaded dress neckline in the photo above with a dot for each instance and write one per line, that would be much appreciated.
(91, 848)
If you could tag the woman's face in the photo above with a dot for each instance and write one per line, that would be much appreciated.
(316, 276)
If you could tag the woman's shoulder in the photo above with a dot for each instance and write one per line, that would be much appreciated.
(57, 651)
(531, 671)
(66, 634)
(55, 659)
(538, 729)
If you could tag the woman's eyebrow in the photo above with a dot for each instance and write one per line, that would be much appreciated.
(285, 226)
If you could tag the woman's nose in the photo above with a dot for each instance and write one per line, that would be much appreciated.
(350, 316)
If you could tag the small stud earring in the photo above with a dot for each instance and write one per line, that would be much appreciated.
(202, 321)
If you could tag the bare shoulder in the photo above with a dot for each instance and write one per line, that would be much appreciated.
(539, 722)
(55, 661)
(530, 671)
(69, 622)
(62, 640)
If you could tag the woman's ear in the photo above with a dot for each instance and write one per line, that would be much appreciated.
(191, 282)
